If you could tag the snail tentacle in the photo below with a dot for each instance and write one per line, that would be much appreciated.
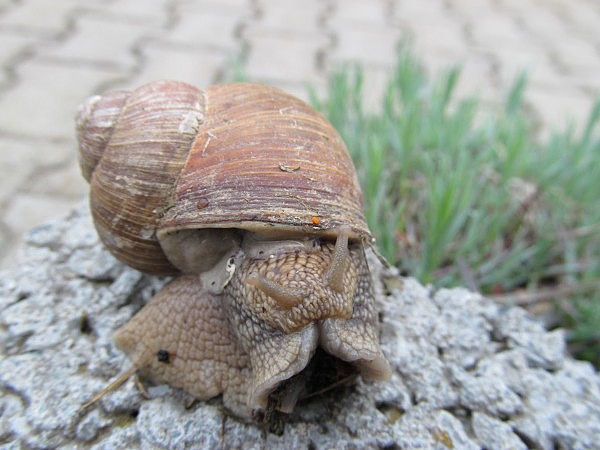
(334, 276)
(285, 296)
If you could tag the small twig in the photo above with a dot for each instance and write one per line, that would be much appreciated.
(523, 298)
(572, 269)
(339, 382)
(122, 378)
(580, 232)
(141, 388)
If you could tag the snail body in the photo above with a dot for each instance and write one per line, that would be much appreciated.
(251, 197)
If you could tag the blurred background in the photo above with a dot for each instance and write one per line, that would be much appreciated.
(381, 71)
(55, 54)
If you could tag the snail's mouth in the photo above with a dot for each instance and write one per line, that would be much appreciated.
(329, 354)
(322, 375)
(282, 361)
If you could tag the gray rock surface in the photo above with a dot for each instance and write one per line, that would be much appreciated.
(467, 373)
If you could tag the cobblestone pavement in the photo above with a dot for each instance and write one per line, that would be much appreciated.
(55, 53)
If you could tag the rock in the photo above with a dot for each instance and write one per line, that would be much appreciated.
(495, 434)
(467, 373)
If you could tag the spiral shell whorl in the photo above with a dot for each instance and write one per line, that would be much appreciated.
(132, 183)
(95, 122)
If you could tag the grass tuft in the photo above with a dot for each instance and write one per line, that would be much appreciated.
(457, 197)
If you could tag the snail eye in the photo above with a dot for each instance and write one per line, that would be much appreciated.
(163, 356)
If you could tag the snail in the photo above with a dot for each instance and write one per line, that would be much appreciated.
(250, 197)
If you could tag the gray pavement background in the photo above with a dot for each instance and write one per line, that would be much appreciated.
(53, 54)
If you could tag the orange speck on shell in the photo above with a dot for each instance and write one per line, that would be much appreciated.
(315, 220)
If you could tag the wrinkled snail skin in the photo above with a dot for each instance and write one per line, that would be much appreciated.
(251, 197)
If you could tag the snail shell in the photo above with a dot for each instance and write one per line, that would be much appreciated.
(242, 156)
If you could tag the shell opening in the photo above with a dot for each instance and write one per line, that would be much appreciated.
(95, 122)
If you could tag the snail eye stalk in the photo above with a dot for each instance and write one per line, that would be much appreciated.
(285, 296)
(334, 276)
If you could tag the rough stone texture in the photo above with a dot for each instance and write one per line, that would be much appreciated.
(467, 373)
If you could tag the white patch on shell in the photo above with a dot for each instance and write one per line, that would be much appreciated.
(191, 122)
(147, 232)
(85, 109)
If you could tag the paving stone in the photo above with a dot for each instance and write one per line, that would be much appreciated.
(374, 87)
(5, 240)
(291, 15)
(15, 172)
(421, 11)
(490, 30)
(28, 210)
(434, 63)
(234, 6)
(9, 258)
(547, 77)
(588, 81)
(5, 5)
(13, 44)
(114, 49)
(199, 67)
(577, 55)
(521, 7)
(471, 8)
(63, 182)
(12, 178)
(44, 101)
(558, 109)
(215, 30)
(477, 77)
(564, 6)
(539, 67)
(359, 12)
(150, 13)
(296, 61)
(39, 16)
(544, 25)
(375, 46)
(442, 37)
(20, 159)
(584, 20)
(303, 90)
(39, 153)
